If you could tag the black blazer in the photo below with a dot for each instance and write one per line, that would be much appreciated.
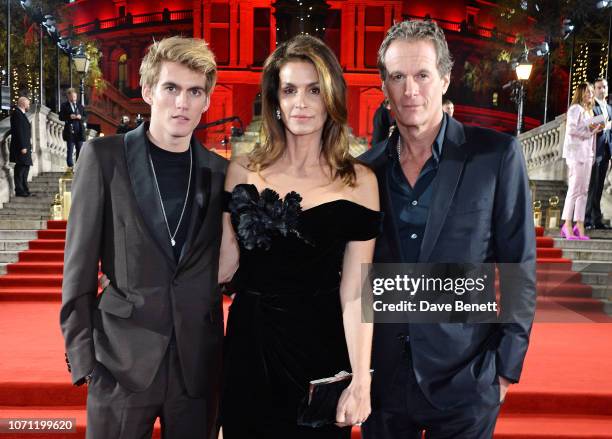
(21, 137)
(74, 129)
(116, 219)
(480, 212)
(604, 138)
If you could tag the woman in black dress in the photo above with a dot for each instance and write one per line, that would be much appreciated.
(302, 218)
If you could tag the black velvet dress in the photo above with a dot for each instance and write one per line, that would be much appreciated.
(285, 323)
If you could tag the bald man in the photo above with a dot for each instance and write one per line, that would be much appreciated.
(21, 146)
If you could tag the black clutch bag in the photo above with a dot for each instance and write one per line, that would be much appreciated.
(319, 407)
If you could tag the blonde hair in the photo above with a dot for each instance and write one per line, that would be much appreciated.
(335, 139)
(190, 52)
(578, 96)
(71, 90)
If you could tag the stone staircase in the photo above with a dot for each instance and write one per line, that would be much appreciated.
(21, 218)
(593, 260)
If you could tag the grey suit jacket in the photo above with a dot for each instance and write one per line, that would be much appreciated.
(116, 220)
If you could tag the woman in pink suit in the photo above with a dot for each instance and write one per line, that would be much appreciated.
(578, 151)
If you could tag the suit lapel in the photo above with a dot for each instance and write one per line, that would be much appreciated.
(145, 189)
(444, 186)
(200, 200)
(597, 109)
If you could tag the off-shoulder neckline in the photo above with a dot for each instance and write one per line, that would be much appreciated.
(316, 206)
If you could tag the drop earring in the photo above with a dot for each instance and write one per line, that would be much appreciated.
(278, 114)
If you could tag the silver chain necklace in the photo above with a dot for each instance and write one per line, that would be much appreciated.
(399, 149)
(161, 201)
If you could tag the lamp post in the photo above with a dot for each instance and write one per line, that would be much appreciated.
(8, 50)
(523, 71)
(81, 65)
(602, 4)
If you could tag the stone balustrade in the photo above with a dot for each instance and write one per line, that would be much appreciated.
(543, 146)
(48, 147)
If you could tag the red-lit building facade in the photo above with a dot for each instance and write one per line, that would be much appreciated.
(243, 32)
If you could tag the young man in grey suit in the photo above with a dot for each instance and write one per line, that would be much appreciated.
(147, 207)
(451, 194)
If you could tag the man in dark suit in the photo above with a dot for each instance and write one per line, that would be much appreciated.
(124, 125)
(147, 205)
(382, 122)
(451, 194)
(73, 114)
(21, 146)
(603, 152)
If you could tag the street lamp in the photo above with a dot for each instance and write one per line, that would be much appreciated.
(523, 70)
(81, 65)
(602, 5)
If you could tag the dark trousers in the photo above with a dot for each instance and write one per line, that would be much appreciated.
(71, 148)
(598, 178)
(20, 176)
(405, 413)
(115, 412)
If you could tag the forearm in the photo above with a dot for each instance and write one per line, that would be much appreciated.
(358, 339)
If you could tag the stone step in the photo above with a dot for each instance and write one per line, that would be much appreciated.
(29, 217)
(592, 244)
(43, 188)
(14, 245)
(44, 204)
(21, 212)
(594, 278)
(9, 256)
(31, 201)
(602, 292)
(22, 224)
(588, 255)
(592, 266)
(40, 192)
(601, 234)
(18, 234)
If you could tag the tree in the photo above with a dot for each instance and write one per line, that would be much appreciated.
(25, 47)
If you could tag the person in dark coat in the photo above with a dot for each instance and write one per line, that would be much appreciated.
(382, 123)
(73, 113)
(124, 126)
(21, 146)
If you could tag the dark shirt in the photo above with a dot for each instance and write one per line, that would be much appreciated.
(172, 171)
(411, 204)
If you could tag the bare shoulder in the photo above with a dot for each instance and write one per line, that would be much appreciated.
(365, 191)
(237, 172)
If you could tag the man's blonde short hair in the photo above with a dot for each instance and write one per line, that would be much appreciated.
(190, 52)
(70, 91)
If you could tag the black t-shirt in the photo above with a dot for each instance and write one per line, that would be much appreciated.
(172, 171)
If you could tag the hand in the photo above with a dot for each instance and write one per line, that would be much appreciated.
(73, 116)
(24, 151)
(103, 281)
(504, 384)
(78, 116)
(354, 404)
(597, 128)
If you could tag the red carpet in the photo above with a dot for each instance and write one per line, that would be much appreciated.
(565, 391)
